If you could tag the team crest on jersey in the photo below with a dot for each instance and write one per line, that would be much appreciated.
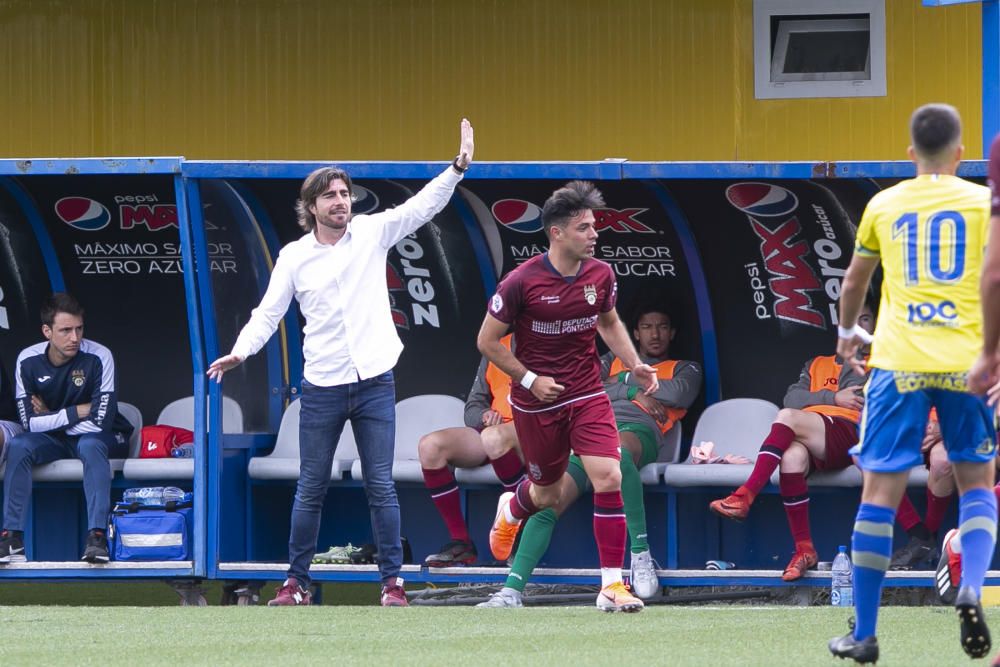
(590, 294)
(78, 377)
(496, 303)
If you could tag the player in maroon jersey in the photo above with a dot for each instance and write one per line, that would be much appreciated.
(556, 303)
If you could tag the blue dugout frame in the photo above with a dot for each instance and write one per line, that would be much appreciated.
(203, 336)
(110, 167)
(612, 169)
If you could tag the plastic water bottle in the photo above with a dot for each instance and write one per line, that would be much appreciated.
(842, 580)
(143, 495)
(153, 495)
(185, 451)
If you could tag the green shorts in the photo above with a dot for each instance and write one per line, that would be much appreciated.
(650, 450)
(647, 438)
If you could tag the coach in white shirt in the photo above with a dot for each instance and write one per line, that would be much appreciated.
(337, 274)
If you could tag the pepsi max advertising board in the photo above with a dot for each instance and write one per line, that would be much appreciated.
(774, 255)
(635, 238)
(441, 277)
(436, 289)
(24, 276)
(771, 254)
(113, 243)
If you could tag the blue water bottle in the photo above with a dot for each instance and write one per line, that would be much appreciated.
(185, 451)
(842, 580)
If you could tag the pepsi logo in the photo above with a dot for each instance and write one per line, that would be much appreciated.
(364, 200)
(83, 213)
(762, 199)
(518, 215)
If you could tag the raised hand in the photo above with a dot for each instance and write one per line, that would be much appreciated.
(467, 145)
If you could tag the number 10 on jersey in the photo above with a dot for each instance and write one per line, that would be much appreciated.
(944, 248)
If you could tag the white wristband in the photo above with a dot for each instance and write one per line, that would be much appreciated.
(527, 379)
(849, 334)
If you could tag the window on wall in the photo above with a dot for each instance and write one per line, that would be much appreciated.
(830, 49)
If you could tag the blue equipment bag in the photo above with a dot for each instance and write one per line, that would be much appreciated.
(151, 532)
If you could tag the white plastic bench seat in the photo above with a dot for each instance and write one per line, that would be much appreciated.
(283, 461)
(736, 426)
(415, 417)
(71, 470)
(180, 413)
(484, 474)
(851, 476)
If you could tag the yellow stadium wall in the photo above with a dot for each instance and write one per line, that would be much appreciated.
(389, 79)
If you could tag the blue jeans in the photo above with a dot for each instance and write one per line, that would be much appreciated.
(27, 450)
(371, 407)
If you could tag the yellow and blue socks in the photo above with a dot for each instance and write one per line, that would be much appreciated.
(871, 550)
(977, 525)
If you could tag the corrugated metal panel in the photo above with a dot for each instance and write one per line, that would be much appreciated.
(933, 55)
(389, 79)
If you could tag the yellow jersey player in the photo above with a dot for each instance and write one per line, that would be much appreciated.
(929, 235)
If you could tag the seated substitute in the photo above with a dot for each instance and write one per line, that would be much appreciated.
(68, 408)
(488, 436)
(9, 423)
(814, 431)
(642, 423)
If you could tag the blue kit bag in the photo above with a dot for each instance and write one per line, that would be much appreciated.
(150, 532)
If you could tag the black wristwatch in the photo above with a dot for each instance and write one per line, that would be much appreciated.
(454, 164)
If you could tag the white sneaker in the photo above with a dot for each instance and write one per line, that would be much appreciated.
(505, 598)
(642, 575)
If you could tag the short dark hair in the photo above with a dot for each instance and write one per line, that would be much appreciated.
(316, 184)
(935, 129)
(60, 302)
(569, 201)
(653, 306)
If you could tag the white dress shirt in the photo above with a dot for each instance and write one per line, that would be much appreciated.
(342, 292)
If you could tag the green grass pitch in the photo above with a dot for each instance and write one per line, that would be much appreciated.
(368, 635)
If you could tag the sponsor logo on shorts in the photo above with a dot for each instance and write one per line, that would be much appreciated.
(986, 447)
(910, 382)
